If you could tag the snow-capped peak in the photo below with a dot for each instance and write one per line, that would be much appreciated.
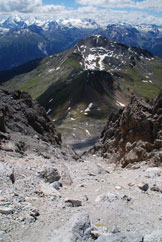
(13, 21)
(78, 23)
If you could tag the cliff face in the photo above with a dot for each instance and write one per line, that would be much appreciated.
(133, 134)
(19, 113)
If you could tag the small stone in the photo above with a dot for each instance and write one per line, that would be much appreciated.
(48, 190)
(50, 174)
(131, 184)
(34, 212)
(118, 187)
(115, 230)
(128, 199)
(107, 197)
(81, 185)
(65, 177)
(156, 188)
(2, 199)
(6, 210)
(86, 197)
(57, 185)
(144, 187)
(73, 202)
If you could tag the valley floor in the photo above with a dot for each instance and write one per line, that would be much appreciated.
(31, 209)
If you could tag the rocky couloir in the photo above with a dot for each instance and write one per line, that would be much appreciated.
(133, 134)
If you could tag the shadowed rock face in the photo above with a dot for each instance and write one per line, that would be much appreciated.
(2, 126)
(20, 114)
(133, 134)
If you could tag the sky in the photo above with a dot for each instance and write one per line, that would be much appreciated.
(102, 11)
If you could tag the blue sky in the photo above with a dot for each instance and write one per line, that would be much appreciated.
(68, 3)
(102, 11)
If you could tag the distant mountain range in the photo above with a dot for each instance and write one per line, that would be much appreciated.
(22, 40)
(82, 85)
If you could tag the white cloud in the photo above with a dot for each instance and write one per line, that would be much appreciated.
(106, 3)
(106, 16)
(150, 5)
(47, 9)
(19, 5)
(145, 4)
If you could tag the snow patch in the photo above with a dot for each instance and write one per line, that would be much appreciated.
(120, 104)
(88, 109)
(50, 100)
(147, 81)
(42, 48)
(49, 110)
(51, 70)
(88, 133)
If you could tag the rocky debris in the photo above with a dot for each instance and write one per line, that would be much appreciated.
(39, 208)
(110, 197)
(21, 114)
(78, 228)
(25, 127)
(133, 134)
(111, 237)
(107, 197)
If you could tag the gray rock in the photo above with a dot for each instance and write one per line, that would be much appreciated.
(73, 202)
(78, 228)
(7, 171)
(6, 210)
(49, 190)
(109, 197)
(50, 174)
(156, 188)
(65, 177)
(155, 236)
(144, 187)
(57, 185)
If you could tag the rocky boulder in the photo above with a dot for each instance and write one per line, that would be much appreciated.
(133, 134)
(78, 228)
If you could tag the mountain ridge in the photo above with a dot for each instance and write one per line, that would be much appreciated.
(22, 40)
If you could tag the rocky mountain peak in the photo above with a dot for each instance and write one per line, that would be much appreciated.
(134, 133)
(100, 53)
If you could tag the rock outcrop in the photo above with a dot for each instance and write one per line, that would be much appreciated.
(19, 113)
(133, 134)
